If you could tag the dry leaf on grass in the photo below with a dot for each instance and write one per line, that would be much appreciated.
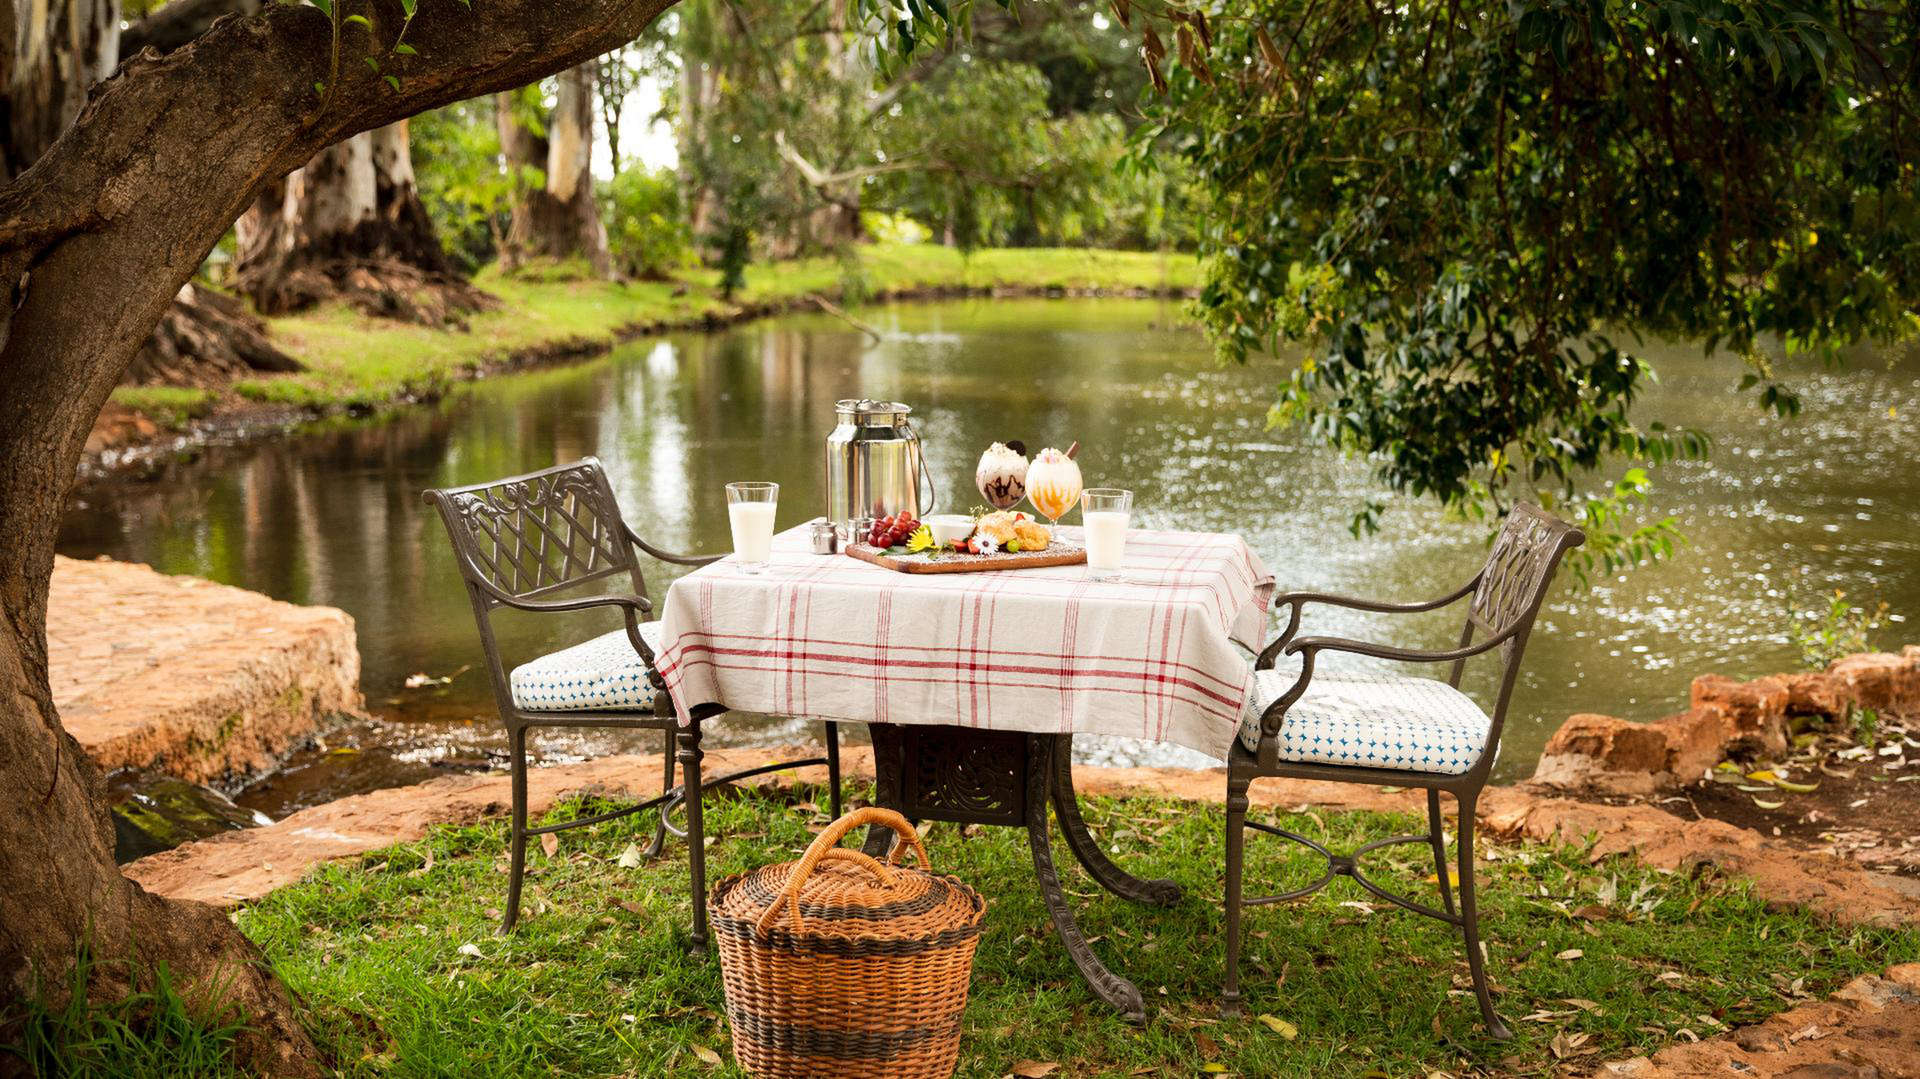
(707, 1056)
(1570, 954)
(1281, 1027)
(550, 843)
(630, 858)
(1035, 1069)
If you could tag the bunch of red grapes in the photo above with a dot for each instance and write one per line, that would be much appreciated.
(892, 531)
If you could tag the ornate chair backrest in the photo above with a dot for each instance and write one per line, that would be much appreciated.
(1507, 597)
(534, 535)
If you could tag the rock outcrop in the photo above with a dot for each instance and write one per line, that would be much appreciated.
(189, 678)
(1728, 718)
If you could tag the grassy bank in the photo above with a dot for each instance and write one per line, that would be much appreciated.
(356, 361)
(395, 956)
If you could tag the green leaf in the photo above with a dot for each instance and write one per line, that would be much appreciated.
(393, 82)
(404, 49)
(361, 19)
(325, 6)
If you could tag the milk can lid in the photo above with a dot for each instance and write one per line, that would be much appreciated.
(865, 410)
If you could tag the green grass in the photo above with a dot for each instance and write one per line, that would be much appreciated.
(360, 362)
(172, 407)
(152, 1033)
(396, 957)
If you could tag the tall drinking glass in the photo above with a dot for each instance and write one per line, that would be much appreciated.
(750, 509)
(1105, 511)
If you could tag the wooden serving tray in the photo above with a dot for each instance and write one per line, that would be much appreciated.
(1058, 553)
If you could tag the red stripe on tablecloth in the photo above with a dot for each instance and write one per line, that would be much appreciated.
(966, 650)
(1205, 703)
(693, 654)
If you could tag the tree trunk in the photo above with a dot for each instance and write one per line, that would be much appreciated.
(524, 152)
(560, 219)
(350, 225)
(62, 51)
(59, 50)
(95, 241)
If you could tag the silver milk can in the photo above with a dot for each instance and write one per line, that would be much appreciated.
(874, 463)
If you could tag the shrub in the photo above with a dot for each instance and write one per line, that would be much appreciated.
(646, 231)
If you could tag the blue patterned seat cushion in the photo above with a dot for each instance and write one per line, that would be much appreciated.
(1371, 721)
(602, 675)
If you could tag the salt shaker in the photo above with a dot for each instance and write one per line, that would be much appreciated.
(824, 539)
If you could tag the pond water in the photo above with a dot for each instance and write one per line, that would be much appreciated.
(1785, 509)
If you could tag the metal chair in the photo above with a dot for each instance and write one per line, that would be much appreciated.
(521, 539)
(1385, 730)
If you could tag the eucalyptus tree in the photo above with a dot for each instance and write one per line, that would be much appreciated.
(557, 217)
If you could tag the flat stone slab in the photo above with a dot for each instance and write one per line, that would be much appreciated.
(187, 677)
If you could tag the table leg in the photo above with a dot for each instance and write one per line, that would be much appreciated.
(1110, 987)
(888, 760)
(1066, 806)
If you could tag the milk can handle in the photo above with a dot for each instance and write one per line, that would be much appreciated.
(925, 473)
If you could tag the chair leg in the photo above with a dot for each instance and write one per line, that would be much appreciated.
(666, 787)
(696, 830)
(1470, 924)
(1437, 830)
(517, 830)
(833, 770)
(1236, 849)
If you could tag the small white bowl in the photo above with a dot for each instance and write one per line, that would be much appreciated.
(949, 528)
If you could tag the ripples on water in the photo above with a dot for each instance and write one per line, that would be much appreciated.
(1784, 509)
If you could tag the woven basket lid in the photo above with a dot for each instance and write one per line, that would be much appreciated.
(833, 892)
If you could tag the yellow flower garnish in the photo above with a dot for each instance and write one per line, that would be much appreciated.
(921, 539)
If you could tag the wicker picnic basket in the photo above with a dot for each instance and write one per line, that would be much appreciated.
(840, 965)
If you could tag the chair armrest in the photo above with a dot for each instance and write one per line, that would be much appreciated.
(668, 556)
(1309, 648)
(630, 606)
(1299, 600)
(1387, 651)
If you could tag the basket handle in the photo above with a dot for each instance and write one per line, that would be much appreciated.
(825, 847)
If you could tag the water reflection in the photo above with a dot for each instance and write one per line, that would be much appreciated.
(335, 517)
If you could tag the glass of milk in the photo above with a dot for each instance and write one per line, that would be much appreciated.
(750, 509)
(1104, 511)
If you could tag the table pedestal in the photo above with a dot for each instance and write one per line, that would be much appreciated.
(999, 777)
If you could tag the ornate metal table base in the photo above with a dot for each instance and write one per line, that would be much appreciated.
(999, 777)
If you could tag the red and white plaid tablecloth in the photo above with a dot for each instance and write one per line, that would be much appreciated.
(1036, 650)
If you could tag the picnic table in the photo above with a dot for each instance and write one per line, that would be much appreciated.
(974, 685)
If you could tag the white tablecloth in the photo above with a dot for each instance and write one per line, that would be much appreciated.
(1035, 650)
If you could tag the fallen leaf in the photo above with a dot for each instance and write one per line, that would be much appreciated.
(1593, 912)
(1035, 1069)
(1764, 775)
(1768, 805)
(630, 858)
(472, 950)
(1208, 1047)
(707, 1056)
(425, 867)
(1570, 954)
(1796, 788)
(550, 843)
(1281, 1027)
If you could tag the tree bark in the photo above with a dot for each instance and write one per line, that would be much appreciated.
(95, 240)
(350, 225)
(560, 219)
